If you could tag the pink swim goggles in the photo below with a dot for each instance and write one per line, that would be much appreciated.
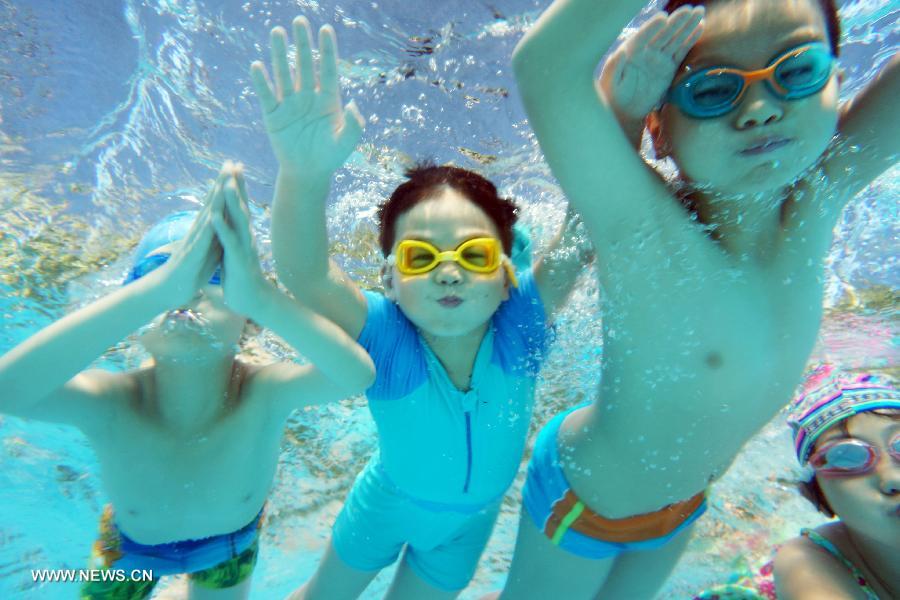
(849, 456)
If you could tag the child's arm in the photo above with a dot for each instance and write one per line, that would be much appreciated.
(869, 136)
(637, 75)
(342, 368)
(556, 271)
(312, 134)
(609, 184)
(40, 377)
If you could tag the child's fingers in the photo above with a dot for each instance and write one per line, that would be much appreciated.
(200, 225)
(227, 238)
(263, 86)
(674, 24)
(284, 85)
(306, 73)
(220, 177)
(217, 202)
(685, 29)
(328, 77)
(649, 30)
(352, 129)
(240, 223)
(689, 42)
(243, 196)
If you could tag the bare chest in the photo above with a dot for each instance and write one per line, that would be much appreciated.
(734, 336)
(165, 486)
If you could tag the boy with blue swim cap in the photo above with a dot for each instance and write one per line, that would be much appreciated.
(457, 338)
(188, 443)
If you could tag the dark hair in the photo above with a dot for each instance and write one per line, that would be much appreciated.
(811, 490)
(829, 10)
(425, 180)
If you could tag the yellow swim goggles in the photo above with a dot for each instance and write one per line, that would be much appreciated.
(479, 255)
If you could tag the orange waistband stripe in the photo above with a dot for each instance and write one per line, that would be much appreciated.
(570, 513)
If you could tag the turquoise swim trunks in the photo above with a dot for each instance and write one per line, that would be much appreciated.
(570, 524)
(446, 454)
(443, 542)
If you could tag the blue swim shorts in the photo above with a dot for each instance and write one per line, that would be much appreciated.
(216, 562)
(443, 541)
(556, 510)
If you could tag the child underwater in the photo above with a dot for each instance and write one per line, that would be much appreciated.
(712, 284)
(188, 443)
(457, 337)
(847, 433)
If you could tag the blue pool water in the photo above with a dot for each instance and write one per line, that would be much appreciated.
(113, 113)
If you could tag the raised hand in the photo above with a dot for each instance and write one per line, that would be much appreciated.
(194, 258)
(242, 277)
(638, 74)
(312, 133)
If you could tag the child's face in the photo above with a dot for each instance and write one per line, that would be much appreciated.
(766, 142)
(204, 326)
(868, 503)
(449, 300)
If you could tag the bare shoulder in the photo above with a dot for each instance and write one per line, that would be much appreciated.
(805, 571)
(270, 388)
(89, 401)
(281, 387)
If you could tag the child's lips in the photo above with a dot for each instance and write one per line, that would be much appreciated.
(450, 301)
(765, 145)
(185, 315)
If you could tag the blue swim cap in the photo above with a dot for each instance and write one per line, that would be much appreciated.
(171, 229)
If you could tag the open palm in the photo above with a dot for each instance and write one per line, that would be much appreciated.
(310, 130)
(640, 71)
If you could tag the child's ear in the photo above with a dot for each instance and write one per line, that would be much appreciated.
(387, 281)
(654, 126)
(840, 74)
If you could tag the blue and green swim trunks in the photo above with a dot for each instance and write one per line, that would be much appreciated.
(216, 562)
(570, 524)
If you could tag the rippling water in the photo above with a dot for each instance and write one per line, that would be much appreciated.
(112, 114)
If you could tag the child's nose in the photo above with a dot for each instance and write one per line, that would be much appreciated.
(888, 471)
(758, 107)
(448, 273)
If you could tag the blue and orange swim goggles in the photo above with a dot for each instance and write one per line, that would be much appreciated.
(716, 91)
(478, 255)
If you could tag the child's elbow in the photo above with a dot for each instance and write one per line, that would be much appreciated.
(364, 376)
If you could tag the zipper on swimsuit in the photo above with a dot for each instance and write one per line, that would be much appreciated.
(468, 451)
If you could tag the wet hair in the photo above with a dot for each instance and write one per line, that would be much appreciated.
(810, 490)
(829, 10)
(426, 180)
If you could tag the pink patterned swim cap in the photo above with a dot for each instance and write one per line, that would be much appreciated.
(829, 398)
